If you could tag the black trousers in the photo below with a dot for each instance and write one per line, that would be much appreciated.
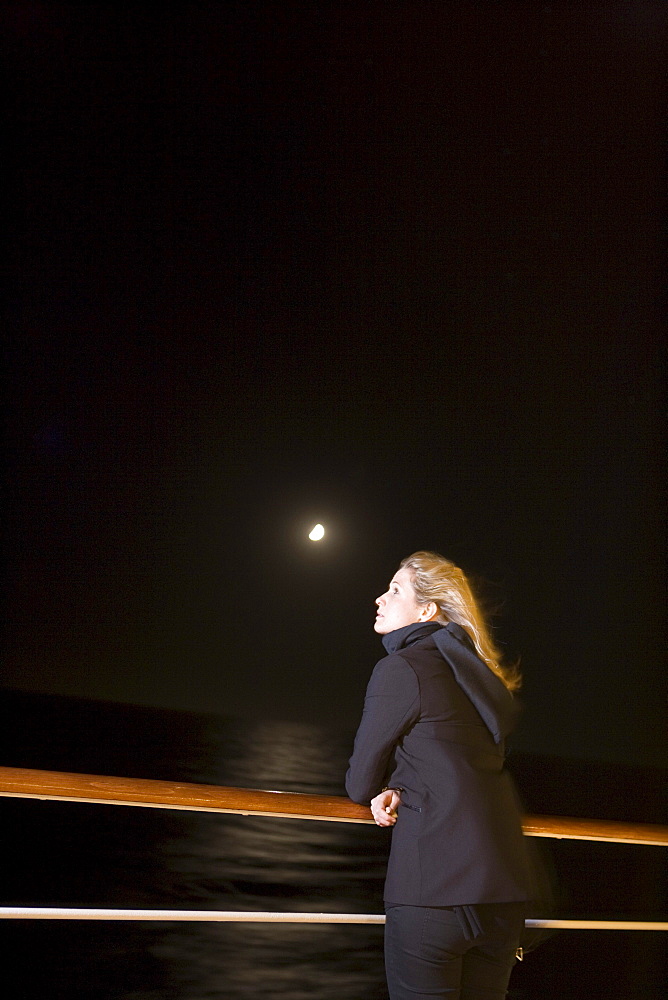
(458, 952)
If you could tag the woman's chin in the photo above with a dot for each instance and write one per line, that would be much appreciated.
(379, 626)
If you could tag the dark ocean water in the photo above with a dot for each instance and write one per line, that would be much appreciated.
(85, 855)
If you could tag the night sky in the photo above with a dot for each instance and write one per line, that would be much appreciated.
(397, 268)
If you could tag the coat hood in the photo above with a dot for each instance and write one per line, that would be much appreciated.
(491, 698)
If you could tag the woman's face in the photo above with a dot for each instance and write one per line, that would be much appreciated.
(398, 606)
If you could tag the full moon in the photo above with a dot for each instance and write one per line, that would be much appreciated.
(316, 533)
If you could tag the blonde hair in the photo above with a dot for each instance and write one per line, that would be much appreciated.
(436, 579)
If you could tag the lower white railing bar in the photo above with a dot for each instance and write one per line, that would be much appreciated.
(223, 916)
(601, 925)
(268, 917)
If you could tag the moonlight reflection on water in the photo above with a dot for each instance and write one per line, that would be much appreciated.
(259, 863)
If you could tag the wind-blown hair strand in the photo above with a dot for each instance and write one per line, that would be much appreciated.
(436, 579)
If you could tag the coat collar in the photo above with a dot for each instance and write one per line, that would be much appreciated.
(408, 635)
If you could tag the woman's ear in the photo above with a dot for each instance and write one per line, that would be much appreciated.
(428, 612)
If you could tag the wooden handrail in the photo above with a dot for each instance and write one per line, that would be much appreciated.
(94, 788)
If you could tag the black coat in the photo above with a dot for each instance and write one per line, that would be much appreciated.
(435, 718)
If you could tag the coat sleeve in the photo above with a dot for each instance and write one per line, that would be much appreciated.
(391, 706)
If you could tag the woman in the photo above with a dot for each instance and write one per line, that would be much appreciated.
(429, 757)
